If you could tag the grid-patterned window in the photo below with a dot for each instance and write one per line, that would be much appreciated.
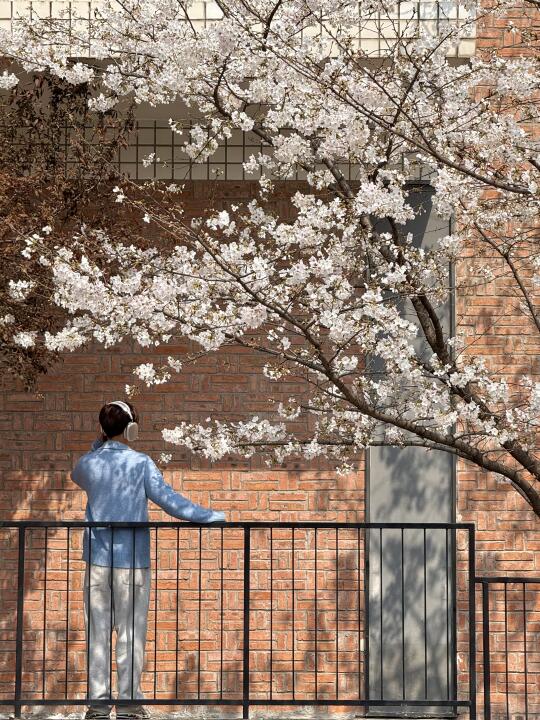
(154, 141)
(154, 152)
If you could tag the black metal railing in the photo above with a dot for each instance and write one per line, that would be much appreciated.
(510, 646)
(305, 613)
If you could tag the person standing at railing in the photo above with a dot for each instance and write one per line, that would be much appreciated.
(118, 482)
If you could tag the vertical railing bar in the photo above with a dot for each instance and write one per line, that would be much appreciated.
(155, 613)
(506, 650)
(177, 604)
(447, 618)
(454, 613)
(525, 652)
(381, 608)
(132, 610)
(89, 614)
(43, 658)
(359, 600)
(271, 612)
(425, 618)
(316, 624)
(366, 613)
(337, 616)
(472, 624)
(486, 651)
(67, 616)
(245, 648)
(199, 618)
(20, 621)
(403, 613)
(293, 627)
(111, 601)
(221, 624)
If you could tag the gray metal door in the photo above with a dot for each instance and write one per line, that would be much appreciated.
(411, 631)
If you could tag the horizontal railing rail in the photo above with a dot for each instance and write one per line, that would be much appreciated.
(239, 613)
(239, 524)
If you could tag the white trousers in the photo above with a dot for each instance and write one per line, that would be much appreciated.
(125, 610)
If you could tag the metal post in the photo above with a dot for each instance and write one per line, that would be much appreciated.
(20, 622)
(245, 675)
(485, 644)
(366, 615)
(472, 624)
(525, 653)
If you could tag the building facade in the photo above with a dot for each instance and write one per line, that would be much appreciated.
(43, 434)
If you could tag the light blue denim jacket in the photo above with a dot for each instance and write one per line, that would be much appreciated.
(118, 482)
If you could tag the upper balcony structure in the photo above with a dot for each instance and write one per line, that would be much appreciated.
(155, 152)
(375, 34)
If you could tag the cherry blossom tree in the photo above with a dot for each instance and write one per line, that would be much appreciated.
(323, 296)
(42, 198)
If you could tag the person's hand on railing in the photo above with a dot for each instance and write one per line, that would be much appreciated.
(217, 516)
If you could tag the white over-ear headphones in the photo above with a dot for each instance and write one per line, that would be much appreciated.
(131, 431)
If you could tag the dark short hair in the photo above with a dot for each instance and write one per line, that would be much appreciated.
(114, 420)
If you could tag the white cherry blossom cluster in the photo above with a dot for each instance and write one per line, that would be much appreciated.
(150, 376)
(7, 319)
(218, 439)
(19, 289)
(25, 339)
(8, 80)
(68, 339)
